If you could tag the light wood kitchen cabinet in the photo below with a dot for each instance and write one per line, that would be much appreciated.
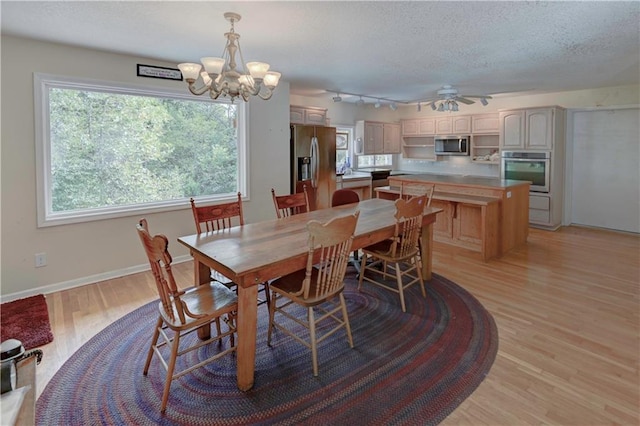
(307, 115)
(371, 135)
(391, 137)
(377, 137)
(485, 124)
(528, 129)
(456, 125)
(418, 127)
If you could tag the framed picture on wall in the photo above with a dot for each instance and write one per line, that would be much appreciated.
(342, 140)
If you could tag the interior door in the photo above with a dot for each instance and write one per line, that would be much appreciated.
(605, 167)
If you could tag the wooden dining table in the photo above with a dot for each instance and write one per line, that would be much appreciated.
(254, 253)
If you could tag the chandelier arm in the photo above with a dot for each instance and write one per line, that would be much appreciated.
(195, 91)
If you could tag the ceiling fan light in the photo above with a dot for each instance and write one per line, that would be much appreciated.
(455, 106)
(441, 107)
(433, 106)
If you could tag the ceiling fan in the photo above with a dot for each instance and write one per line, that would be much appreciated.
(449, 98)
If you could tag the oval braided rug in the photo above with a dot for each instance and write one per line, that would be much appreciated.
(406, 368)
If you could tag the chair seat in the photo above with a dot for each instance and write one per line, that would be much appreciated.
(382, 250)
(204, 301)
(291, 284)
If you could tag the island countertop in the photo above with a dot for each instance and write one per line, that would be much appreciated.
(478, 181)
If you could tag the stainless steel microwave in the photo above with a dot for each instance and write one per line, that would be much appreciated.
(452, 145)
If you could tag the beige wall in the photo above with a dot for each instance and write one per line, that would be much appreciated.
(81, 253)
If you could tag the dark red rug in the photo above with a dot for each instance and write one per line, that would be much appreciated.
(26, 320)
(409, 368)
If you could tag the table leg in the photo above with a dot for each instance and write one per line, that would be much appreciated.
(202, 275)
(247, 325)
(426, 254)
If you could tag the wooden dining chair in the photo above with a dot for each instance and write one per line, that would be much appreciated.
(317, 286)
(183, 311)
(341, 197)
(214, 217)
(410, 189)
(399, 254)
(344, 196)
(288, 205)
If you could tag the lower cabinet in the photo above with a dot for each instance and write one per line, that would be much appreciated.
(472, 224)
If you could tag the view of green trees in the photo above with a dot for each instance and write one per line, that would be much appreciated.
(113, 149)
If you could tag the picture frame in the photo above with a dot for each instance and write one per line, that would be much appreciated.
(342, 140)
(165, 73)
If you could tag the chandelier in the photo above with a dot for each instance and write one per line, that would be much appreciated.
(222, 77)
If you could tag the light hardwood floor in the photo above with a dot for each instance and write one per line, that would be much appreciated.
(566, 306)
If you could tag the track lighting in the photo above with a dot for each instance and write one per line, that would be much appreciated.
(419, 107)
(484, 102)
(362, 99)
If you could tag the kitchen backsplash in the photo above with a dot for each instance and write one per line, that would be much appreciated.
(451, 166)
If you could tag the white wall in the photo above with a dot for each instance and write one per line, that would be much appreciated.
(81, 253)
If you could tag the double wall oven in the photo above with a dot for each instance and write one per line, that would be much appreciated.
(532, 166)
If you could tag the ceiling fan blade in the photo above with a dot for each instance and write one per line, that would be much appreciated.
(477, 96)
(465, 101)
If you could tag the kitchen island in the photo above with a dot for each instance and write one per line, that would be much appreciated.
(484, 214)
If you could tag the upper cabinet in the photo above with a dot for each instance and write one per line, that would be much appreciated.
(307, 115)
(453, 125)
(419, 127)
(391, 137)
(369, 137)
(530, 129)
(373, 137)
(483, 124)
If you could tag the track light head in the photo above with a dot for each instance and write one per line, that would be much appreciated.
(337, 98)
(360, 102)
(419, 107)
(377, 104)
(484, 101)
(393, 106)
(433, 106)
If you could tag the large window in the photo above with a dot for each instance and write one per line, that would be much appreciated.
(106, 151)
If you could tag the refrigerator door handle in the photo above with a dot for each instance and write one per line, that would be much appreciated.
(314, 162)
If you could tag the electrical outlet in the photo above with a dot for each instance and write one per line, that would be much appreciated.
(41, 260)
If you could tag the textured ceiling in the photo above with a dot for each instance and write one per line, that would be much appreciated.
(397, 50)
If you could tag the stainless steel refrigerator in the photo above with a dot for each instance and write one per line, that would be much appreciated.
(313, 163)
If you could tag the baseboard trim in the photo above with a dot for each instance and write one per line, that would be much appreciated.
(79, 282)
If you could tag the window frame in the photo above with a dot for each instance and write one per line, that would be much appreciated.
(46, 217)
